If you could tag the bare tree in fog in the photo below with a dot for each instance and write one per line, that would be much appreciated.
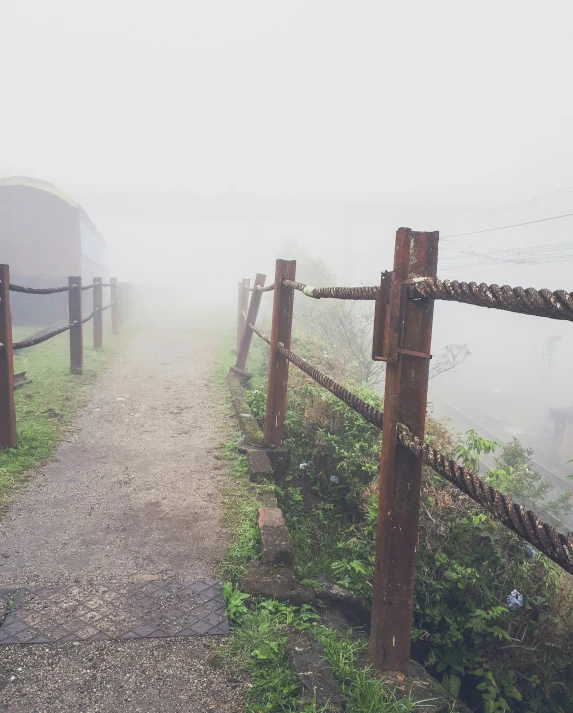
(345, 329)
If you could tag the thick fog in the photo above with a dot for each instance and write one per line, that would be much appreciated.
(200, 137)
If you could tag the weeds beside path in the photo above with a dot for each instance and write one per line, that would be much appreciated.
(45, 406)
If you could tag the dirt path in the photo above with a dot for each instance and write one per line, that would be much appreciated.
(132, 495)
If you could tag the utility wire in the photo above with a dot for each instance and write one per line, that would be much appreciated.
(504, 227)
(540, 198)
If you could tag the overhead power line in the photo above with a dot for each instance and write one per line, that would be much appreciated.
(540, 198)
(504, 227)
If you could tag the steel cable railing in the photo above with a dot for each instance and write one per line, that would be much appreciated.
(54, 333)
(38, 340)
(38, 290)
(541, 303)
(523, 522)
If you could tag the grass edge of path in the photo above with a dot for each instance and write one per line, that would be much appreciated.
(46, 405)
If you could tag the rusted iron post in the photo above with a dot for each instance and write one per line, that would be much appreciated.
(76, 328)
(243, 305)
(114, 306)
(252, 314)
(98, 314)
(120, 298)
(278, 364)
(407, 344)
(7, 408)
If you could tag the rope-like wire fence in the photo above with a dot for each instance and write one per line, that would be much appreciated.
(102, 309)
(54, 333)
(49, 290)
(38, 340)
(337, 293)
(258, 288)
(523, 522)
(541, 303)
(38, 290)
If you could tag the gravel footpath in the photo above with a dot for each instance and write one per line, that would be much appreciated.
(131, 495)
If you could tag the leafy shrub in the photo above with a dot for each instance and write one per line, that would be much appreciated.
(467, 563)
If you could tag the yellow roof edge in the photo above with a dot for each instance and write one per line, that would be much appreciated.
(39, 185)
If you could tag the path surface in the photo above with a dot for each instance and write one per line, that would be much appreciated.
(131, 496)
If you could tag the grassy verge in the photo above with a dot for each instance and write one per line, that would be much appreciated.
(256, 647)
(45, 406)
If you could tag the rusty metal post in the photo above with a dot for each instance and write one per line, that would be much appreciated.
(243, 305)
(98, 314)
(252, 314)
(76, 328)
(7, 408)
(278, 364)
(120, 298)
(407, 354)
(114, 305)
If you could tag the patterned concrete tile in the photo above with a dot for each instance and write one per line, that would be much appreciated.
(114, 611)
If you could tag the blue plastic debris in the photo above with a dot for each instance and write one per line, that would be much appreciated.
(333, 479)
(514, 600)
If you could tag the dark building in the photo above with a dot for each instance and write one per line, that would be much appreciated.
(45, 236)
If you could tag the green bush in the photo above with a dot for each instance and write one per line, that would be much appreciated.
(467, 563)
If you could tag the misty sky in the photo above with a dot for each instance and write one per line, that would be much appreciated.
(201, 135)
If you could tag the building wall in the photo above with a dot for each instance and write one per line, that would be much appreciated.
(38, 235)
(44, 238)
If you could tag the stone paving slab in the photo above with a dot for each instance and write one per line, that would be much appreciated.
(86, 612)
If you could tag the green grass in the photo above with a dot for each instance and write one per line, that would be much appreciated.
(257, 644)
(257, 647)
(240, 506)
(45, 406)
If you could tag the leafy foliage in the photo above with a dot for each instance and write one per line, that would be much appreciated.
(467, 563)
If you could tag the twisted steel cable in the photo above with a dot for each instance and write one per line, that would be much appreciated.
(542, 303)
(338, 293)
(38, 290)
(371, 414)
(54, 333)
(522, 522)
(38, 340)
(258, 288)
(259, 333)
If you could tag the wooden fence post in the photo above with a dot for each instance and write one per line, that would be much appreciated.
(114, 305)
(243, 305)
(407, 346)
(278, 364)
(7, 409)
(245, 345)
(98, 314)
(76, 328)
